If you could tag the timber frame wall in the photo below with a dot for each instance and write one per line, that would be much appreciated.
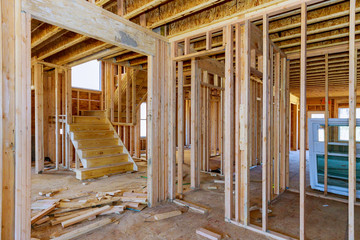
(15, 98)
(274, 66)
(272, 70)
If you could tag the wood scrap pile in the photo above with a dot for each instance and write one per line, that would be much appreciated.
(85, 206)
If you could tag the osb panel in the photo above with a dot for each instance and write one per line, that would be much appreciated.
(212, 14)
(131, 5)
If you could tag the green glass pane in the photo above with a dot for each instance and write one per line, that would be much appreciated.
(337, 170)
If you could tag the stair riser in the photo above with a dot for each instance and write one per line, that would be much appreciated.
(89, 127)
(95, 153)
(93, 143)
(92, 120)
(87, 163)
(79, 136)
(82, 175)
(93, 113)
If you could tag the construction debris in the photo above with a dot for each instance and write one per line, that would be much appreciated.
(208, 234)
(83, 230)
(166, 215)
(85, 216)
(192, 206)
(43, 213)
(51, 192)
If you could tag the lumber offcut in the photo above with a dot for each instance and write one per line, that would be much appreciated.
(208, 234)
(43, 213)
(85, 216)
(166, 215)
(192, 206)
(83, 230)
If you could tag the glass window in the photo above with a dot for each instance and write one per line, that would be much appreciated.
(344, 130)
(317, 115)
(321, 134)
(143, 119)
(86, 76)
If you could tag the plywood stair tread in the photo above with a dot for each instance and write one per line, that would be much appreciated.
(102, 167)
(105, 156)
(105, 147)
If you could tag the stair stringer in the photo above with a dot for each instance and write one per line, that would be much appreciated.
(130, 159)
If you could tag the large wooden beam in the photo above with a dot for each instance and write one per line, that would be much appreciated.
(303, 119)
(352, 122)
(75, 16)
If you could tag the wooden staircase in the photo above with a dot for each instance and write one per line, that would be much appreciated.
(98, 146)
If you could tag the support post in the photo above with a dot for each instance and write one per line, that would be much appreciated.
(266, 121)
(39, 118)
(244, 141)
(352, 121)
(57, 113)
(326, 123)
(229, 123)
(303, 118)
(180, 158)
(195, 128)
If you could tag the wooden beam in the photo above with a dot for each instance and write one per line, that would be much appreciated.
(73, 16)
(266, 121)
(229, 124)
(352, 122)
(303, 119)
(39, 118)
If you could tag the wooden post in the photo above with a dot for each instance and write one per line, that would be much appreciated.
(119, 94)
(288, 122)
(245, 123)
(303, 118)
(277, 124)
(111, 82)
(15, 123)
(57, 113)
(352, 121)
(326, 123)
(284, 123)
(180, 158)
(229, 124)
(68, 112)
(195, 128)
(266, 120)
(39, 118)
(137, 136)
(170, 73)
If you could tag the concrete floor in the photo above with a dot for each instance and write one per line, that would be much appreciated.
(325, 219)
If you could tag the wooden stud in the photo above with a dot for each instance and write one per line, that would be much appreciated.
(195, 128)
(326, 123)
(352, 121)
(277, 125)
(180, 157)
(229, 124)
(266, 120)
(284, 123)
(39, 118)
(57, 113)
(245, 123)
(303, 119)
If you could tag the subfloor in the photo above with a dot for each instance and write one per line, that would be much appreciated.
(325, 219)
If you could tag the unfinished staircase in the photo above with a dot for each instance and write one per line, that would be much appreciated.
(100, 150)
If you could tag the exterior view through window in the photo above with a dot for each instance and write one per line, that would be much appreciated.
(86, 76)
(143, 119)
(344, 130)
